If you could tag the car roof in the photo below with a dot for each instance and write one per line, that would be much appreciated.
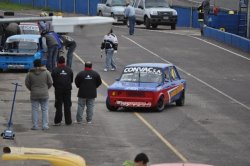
(157, 65)
(24, 37)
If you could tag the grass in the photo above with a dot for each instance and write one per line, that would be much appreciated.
(15, 7)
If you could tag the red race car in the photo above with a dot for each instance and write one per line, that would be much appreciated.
(147, 85)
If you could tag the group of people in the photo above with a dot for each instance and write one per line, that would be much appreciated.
(54, 42)
(39, 80)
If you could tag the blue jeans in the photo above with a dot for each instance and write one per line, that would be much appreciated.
(45, 109)
(131, 20)
(70, 52)
(52, 57)
(81, 105)
(110, 61)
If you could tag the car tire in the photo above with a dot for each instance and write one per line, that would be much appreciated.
(160, 104)
(147, 23)
(173, 26)
(181, 100)
(100, 13)
(154, 26)
(109, 107)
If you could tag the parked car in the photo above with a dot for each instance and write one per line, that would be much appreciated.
(20, 51)
(152, 13)
(147, 85)
(29, 28)
(112, 8)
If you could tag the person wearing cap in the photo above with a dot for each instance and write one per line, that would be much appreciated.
(39, 81)
(62, 81)
(130, 15)
(87, 82)
(42, 24)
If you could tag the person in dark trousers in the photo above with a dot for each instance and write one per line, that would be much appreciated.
(130, 15)
(38, 81)
(51, 45)
(87, 81)
(70, 45)
(206, 8)
(62, 81)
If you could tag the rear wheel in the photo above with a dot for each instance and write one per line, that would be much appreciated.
(109, 107)
(100, 13)
(154, 26)
(173, 26)
(147, 23)
(181, 100)
(160, 104)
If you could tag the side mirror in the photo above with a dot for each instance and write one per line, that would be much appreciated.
(108, 5)
(117, 79)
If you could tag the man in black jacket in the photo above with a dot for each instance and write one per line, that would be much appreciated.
(87, 81)
(62, 82)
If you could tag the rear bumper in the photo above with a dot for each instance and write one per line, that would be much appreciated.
(134, 102)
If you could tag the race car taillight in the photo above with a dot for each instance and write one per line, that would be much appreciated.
(114, 93)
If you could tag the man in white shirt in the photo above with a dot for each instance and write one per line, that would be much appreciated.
(130, 15)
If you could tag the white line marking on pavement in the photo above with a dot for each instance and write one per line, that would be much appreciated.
(189, 74)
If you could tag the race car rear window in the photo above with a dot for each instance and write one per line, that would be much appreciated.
(142, 74)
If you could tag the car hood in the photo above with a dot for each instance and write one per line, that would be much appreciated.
(134, 86)
(118, 8)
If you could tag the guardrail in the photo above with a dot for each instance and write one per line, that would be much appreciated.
(228, 38)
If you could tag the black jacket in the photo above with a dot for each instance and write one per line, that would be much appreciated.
(87, 81)
(62, 77)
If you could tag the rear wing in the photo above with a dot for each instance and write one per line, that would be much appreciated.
(55, 157)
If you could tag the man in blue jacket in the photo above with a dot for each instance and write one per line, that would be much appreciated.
(87, 81)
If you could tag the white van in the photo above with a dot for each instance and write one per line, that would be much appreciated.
(152, 13)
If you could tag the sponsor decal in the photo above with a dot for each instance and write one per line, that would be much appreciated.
(21, 39)
(174, 91)
(142, 70)
(88, 77)
(15, 66)
(29, 27)
(134, 104)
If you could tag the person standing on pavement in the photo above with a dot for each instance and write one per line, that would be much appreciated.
(39, 81)
(50, 44)
(62, 81)
(205, 9)
(110, 44)
(87, 81)
(130, 15)
(70, 45)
